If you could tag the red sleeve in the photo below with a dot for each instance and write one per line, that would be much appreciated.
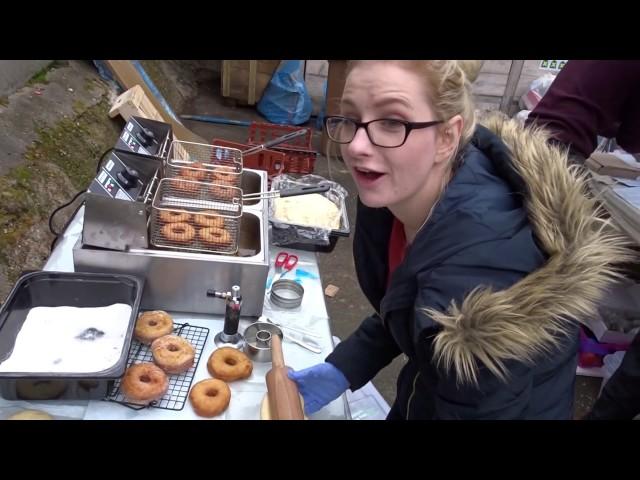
(590, 98)
(397, 247)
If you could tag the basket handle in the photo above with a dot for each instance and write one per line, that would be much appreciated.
(293, 192)
(290, 192)
(275, 141)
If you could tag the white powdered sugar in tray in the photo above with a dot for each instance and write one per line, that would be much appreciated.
(69, 340)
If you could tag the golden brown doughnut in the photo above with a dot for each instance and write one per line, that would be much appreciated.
(225, 178)
(219, 237)
(167, 216)
(144, 383)
(190, 187)
(210, 397)
(173, 354)
(178, 232)
(151, 325)
(229, 364)
(221, 192)
(194, 171)
(207, 219)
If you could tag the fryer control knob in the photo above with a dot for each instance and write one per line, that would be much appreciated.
(128, 177)
(146, 137)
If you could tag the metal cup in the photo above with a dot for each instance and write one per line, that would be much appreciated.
(258, 340)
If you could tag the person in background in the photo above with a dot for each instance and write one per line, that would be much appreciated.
(620, 397)
(591, 98)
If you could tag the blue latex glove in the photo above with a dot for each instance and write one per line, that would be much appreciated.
(319, 385)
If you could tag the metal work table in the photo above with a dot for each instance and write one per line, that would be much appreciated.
(246, 395)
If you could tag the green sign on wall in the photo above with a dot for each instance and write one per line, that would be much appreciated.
(555, 65)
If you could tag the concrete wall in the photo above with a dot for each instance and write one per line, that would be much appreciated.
(14, 73)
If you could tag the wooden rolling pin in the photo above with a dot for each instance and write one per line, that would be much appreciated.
(282, 392)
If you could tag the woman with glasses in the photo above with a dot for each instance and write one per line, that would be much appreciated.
(474, 244)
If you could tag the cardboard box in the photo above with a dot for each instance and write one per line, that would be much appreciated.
(609, 164)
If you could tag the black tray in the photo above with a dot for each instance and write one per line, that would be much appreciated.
(308, 247)
(294, 236)
(69, 289)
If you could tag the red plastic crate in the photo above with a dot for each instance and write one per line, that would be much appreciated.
(271, 161)
(300, 156)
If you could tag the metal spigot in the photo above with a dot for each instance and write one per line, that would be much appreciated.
(229, 336)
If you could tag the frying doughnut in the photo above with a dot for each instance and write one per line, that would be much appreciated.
(194, 171)
(187, 186)
(167, 216)
(210, 397)
(207, 219)
(178, 232)
(225, 178)
(219, 237)
(222, 192)
(229, 364)
(144, 383)
(151, 325)
(173, 354)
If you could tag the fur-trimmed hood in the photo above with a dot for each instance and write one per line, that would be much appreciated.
(527, 319)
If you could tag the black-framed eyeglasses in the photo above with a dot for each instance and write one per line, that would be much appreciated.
(382, 132)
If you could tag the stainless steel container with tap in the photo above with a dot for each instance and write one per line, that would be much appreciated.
(179, 281)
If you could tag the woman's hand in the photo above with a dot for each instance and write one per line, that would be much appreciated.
(319, 385)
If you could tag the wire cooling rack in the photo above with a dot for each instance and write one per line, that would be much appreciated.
(179, 385)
